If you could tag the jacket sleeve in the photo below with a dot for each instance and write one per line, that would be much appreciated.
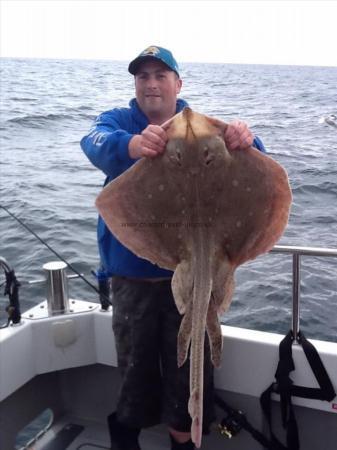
(107, 143)
(257, 143)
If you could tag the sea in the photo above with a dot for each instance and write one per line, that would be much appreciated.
(47, 181)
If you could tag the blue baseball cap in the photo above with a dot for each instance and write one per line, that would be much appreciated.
(153, 52)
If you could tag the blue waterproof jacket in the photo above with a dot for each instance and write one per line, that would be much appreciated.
(106, 146)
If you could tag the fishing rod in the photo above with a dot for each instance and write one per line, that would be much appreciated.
(102, 291)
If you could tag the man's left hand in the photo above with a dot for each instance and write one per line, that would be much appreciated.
(238, 136)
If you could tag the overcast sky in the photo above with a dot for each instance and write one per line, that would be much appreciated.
(263, 32)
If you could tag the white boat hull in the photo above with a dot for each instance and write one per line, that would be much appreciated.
(68, 363)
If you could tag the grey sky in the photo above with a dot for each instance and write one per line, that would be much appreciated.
(268, 32)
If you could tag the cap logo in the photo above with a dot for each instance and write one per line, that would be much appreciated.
(159, 53)
(151, 51)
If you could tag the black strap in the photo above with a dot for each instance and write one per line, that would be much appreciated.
(288, 419)
(325, 390)
(286, 389)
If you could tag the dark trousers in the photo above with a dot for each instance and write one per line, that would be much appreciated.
(154, 390)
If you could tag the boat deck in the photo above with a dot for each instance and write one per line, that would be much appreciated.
(81, 398)
(78, 434)
(74, 433)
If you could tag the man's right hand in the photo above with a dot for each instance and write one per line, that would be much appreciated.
(150, 143)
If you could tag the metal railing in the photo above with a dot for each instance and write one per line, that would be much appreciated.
(297, 253)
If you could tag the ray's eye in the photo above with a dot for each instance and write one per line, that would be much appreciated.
(174, 153)
(178, 156)
(207, 156)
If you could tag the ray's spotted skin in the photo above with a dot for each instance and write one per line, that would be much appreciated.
(200, 210)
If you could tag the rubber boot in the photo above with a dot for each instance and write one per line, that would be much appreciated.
(122, 436)
(184, 446)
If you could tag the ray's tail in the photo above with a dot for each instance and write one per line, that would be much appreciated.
(201, 296)
(202, 288)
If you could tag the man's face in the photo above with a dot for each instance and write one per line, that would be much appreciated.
(157, 89)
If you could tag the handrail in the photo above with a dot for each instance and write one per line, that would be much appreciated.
(308, 251)
(297, 252)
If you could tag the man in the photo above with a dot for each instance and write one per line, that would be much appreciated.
(145, 318)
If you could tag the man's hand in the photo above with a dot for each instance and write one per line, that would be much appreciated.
(150, 143)
(238, 136)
